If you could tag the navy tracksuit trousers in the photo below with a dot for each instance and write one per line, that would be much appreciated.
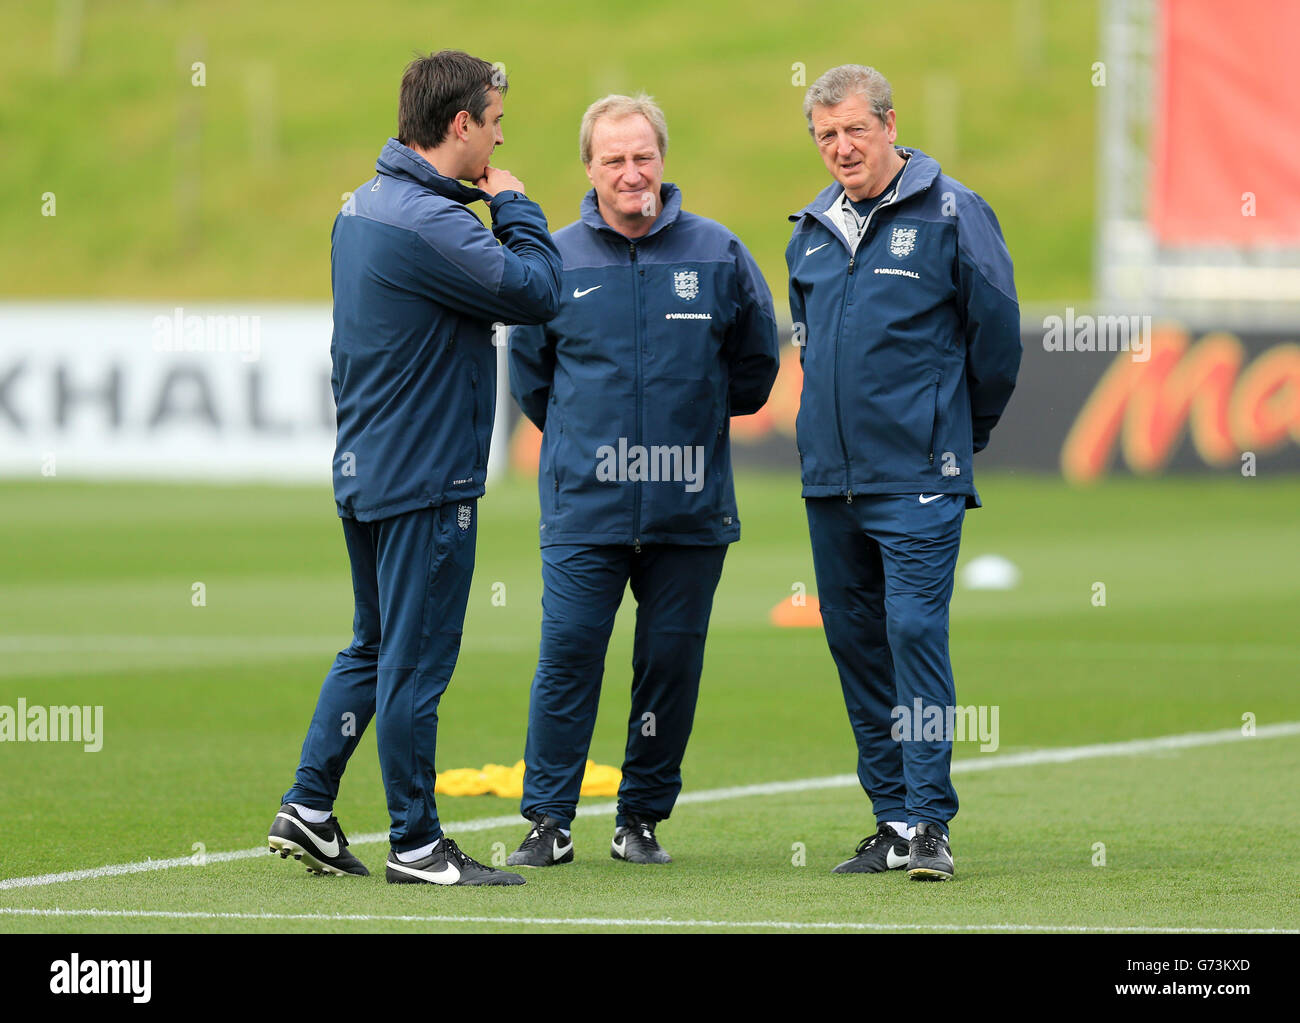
(582, 588)
(884, 566)
(411, 577)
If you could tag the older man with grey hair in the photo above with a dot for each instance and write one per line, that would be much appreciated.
(902, 286)
(665, 332)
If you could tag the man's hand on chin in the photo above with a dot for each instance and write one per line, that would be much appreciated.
(496, 180)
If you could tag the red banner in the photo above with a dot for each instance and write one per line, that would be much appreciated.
(1226, 137)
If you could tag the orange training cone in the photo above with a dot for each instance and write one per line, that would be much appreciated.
(806, 615)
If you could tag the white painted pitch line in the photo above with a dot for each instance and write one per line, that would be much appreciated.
(248, 646)
(1130, 747)
(1069, 754)
(118, 644)
(602, 921)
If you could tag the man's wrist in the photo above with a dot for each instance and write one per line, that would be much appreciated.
(504, 196)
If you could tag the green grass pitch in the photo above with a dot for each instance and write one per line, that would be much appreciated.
(205, 708)
(247, 171)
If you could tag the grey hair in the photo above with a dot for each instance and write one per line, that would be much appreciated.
(618, 106)
(839, 83)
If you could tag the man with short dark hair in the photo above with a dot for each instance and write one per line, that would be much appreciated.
(418, 284)
(665, 332)
(903, 287)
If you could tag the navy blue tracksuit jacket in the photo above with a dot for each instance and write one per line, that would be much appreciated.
(662, 356)
(418, 284)
(912, 339)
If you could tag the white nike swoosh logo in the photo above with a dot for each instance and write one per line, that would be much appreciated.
(449, 874)
(558, 850)
(331, 850)
(620, 846)
(926, 500)
(894, 861)
(823, 245)
(588, 291)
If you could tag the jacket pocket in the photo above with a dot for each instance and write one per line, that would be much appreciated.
(934, 421)
(555, 423)
(480, 454)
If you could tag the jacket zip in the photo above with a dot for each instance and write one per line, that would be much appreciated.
(636, 336)
(853, 256)
(839, 422)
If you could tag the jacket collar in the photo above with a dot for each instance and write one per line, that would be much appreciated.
(670, 201)
(918, 175)
(399, 161)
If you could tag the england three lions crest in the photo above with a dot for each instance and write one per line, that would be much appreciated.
(902, 242)
(686, 284)
(464, 516)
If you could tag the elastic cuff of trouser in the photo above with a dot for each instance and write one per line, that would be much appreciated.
(890, 816)
(562, 820)
(312, 802)
(406, 845)
(620, 818)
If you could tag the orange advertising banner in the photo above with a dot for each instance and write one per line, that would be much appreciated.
(1231, 408)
